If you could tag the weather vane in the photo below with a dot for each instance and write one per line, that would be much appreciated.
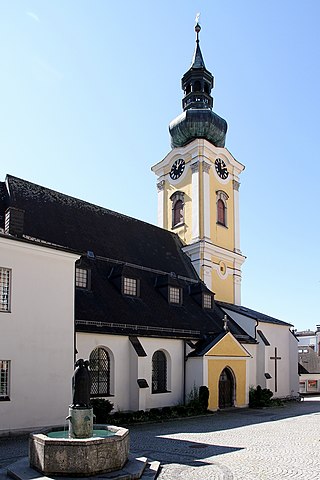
(197, 18)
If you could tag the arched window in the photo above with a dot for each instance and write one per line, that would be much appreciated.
(222, 198)
(188, 88)
(206, 88)
(221, 212)
(100, 372)
(177, 208)
(159, 372)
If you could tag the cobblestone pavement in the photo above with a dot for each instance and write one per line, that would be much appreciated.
(277, 443)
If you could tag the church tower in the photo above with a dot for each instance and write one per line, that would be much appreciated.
(198, 186)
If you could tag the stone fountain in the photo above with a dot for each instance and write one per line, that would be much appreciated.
(82, 452)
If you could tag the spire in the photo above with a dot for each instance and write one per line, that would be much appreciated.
(197, 120)
(197, 82)
(197, 59)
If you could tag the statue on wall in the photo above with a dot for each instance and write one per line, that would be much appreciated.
(81, 385)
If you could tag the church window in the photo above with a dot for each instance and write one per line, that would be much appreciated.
(159, 372)
(4, 379)
(175, 295)
(130, 287)
(82, 278)
(100, 372)
(222, 198)
(207, 300)
(5, 274)
(206, 88)
(177, 209)
(188, 89)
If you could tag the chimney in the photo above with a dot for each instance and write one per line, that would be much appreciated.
(14, 222)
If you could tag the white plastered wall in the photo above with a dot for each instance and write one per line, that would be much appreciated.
(37, 335)
(128, 367)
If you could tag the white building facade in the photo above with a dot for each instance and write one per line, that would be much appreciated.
(37, 334)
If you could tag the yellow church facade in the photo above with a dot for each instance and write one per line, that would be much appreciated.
(198, 199)
(203, 209)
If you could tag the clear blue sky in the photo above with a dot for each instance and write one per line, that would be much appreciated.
(88, 89)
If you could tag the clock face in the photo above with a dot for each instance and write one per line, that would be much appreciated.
(221, 168)
(177, 169)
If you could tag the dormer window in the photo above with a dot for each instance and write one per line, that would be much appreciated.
(175, 295)
(82, 278)
(207, 301)
(130, 286)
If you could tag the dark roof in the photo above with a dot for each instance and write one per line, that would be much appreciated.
(248, 312)
(82, 226)
(309, 362)
(197, 59)
(122, 246)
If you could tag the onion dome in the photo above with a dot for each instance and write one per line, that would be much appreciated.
(197, 119)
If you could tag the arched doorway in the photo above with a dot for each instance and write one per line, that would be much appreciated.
(226, 389)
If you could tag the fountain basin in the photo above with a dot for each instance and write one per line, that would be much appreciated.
(80, 457)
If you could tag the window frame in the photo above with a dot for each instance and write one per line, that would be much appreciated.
(128, 293)
(5, 380)
(207, 296)
(3, 285)
(156, 375)
(103, 392)
(171, 298)
(177, 198)
(88, 278)
(221, 199)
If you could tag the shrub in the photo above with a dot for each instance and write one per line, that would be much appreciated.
(101, 409)
(259, 397)
(204, 397)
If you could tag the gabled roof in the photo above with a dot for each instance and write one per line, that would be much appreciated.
(121, 246)
(309, 362)
(82, 226)
(248, 312)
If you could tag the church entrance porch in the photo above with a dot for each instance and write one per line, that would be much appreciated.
(226, 389)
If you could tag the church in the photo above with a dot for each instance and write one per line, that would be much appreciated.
(156, 309)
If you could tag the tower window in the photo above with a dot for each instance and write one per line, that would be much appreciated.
(206, 88)
(188, 88)
(222, 198)
(177, 209)
(197, 86)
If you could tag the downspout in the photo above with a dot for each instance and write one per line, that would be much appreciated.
(185, 358)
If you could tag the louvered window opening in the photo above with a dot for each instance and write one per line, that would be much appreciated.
(159, 372)
(100, 372)
(221, 212)
(4, 378)
(81, 278)
(178, 212)
(4, 289)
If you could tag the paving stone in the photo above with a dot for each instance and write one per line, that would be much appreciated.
(267, 444)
